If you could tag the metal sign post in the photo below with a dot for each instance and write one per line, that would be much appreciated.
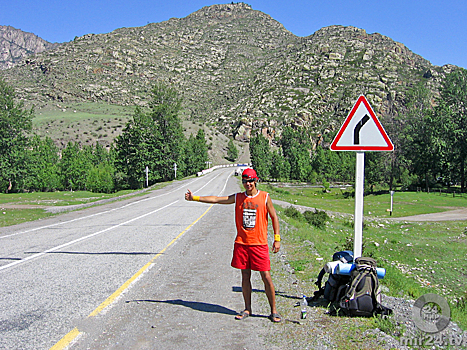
(392, 201)
(147, 176)
(359, 190)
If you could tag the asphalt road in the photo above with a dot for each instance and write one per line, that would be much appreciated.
(151, 272)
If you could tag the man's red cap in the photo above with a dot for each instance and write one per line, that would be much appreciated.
(249, 173)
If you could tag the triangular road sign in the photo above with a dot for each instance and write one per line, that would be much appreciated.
(362, 131)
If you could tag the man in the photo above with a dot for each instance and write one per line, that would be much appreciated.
(251, 251)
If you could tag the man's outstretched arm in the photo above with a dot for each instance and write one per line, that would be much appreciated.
(210, 199)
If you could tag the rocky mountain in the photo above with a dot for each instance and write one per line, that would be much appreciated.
(238, 69)
(16, 45)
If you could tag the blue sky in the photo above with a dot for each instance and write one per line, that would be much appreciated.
(436, 30)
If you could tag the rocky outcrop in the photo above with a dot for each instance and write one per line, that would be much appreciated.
(16, 45)
(238, 70)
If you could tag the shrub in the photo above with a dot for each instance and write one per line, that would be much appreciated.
(318, 218)
(293, 213)
(100, 179)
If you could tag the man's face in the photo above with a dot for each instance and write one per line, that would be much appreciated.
(249, 184)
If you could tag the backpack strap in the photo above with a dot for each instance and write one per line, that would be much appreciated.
(358, 276)
(353, 284)
(320, 290)
(320, 278)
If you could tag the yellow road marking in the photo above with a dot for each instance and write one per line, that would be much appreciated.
(67, 339)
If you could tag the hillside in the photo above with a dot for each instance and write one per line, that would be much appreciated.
(238, 69)
(16, 45)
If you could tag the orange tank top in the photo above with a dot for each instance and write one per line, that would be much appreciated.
(251, 218)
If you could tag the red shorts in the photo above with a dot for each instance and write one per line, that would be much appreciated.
(252, 257)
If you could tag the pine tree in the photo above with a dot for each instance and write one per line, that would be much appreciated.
(232, 151)
(15, 123)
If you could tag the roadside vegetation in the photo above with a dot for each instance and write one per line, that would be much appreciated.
(150, 148)
(16, 208)
(419, 257)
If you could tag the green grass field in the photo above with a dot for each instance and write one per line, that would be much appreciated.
(84, 122)
(34, 203)
(404, 203)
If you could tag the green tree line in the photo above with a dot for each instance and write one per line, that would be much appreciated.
(429, 136)
(152, 139)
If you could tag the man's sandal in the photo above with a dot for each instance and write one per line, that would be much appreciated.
(276, 318)
(242, 315)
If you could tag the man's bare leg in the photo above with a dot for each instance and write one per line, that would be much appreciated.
(270, 293)
(246, 291)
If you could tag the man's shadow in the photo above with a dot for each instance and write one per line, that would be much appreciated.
(312, 301)
(278, 293)
(211, 308)
(195, 305)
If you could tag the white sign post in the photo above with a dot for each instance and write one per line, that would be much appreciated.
(392, 201)
(147, 176)
(361, 132)
(359, 190)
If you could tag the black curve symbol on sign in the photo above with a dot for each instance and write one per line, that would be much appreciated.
(356, 131)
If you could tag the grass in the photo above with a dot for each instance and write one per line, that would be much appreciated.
(10, 217)
(419, 258)
(34, 203)
(85, 122)
(57, 198)
(339, 200)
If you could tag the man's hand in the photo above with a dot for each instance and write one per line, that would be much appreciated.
(276, 246)
(189, 196)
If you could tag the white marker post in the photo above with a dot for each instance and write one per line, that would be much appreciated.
(359, 191)
(361, 132)
(147, 176)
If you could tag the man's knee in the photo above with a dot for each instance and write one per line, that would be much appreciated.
(266, 276)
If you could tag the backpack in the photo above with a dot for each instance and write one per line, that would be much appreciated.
(335, 285)
(362, 296)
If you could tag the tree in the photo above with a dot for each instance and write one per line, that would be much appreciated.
(196, 153)
(165, 106)
(100, 178)
(152, 139)
(260, 155)
(75, 165)
(232, 151)
(377, 169)
(43, 172)
(200, 150)
(418, 137)
(452, 110)
(280, 168)
(137, 148)
(15, 123)
(296, 150)
(333, 166)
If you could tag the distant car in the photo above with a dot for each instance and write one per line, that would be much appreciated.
(239, 171)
